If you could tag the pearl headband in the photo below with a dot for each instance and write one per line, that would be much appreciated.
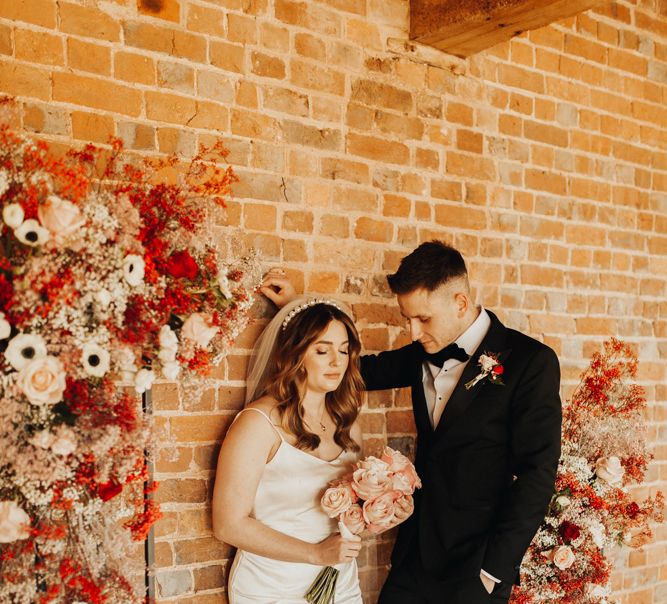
(297, 309)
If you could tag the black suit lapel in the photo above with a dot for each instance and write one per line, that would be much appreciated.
(495, 341)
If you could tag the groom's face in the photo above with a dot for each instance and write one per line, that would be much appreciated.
(434, 317)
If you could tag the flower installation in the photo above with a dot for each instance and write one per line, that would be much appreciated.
(592, 513)
(376, 496)
(109, 280)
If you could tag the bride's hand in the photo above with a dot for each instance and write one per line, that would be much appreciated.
(336, 549)
(277, 287)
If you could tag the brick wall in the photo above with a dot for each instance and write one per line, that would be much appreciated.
(544, 161)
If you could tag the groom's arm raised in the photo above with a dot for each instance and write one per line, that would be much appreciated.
(535, 442)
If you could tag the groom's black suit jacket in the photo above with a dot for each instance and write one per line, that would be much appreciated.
(488, 468)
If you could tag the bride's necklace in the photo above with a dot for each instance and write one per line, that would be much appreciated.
(323, 428)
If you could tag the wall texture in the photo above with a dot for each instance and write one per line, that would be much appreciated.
(544, 161)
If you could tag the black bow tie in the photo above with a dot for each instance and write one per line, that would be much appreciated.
(452, 351)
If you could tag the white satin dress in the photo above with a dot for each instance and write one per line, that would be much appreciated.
(288, 500)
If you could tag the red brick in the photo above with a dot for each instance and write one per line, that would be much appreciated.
(168, 10)
(38, 47)
(88, 22)
(96, 93)
(37, 12)
(377, 149)
(88, 56)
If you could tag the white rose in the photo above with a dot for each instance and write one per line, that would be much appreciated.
(223, 283)
(133, 269)
(23, 348)
(5, 327)
(13, 215)
(42, 439)
(167, 355)
(171, 370)
(104, 298)
(65, 443)
(198, 330)
(42, 381)
(32, 233)
(486, 362)
(597, 531)
(168, 338)
(60, 217)
(4, 182)
(14, 522)
(563, 501)
(609, 470)
(562, 556)
(143, 380)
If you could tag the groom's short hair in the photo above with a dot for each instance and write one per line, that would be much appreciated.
(431, 265)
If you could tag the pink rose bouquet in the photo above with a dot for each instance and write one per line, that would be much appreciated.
(376, 495)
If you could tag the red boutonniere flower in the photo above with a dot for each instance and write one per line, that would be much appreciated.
(491, 369)
(182, 264)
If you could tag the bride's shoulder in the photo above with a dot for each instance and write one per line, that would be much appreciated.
(266, 406)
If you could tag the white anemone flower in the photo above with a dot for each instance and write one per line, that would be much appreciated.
(23, 348)
(13, 215)
(167, 355)
(95, 359)
(5, 327)
(143, 380)
(133, 269)
(32, 233)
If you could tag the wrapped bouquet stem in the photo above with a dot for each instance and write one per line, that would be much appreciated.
(323, 589)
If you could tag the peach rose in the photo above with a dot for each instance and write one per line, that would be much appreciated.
(371, 478)
(379, 512)
(65, 442)
(60, 217)
(337, 499)
(609, 470)
(353, 519)
(197, 329)
(562, 556)
(14, 522)
(403, 508)
(42, 381)
(405, 476)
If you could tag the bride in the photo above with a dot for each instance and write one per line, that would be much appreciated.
(299, 433)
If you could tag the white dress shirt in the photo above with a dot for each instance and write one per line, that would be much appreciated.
(439, 382)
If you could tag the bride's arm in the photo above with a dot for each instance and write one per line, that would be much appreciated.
(248, 445)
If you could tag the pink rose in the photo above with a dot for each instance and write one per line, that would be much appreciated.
(42, 381)
(337, 499)
(197, 329)
(405, 476)
(403, 508)
(353, 519)
(371, 478)
(379, 513)
(562, 556)
(60, 217)
(14, 522)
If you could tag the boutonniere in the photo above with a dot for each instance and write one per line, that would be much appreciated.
(492, 369)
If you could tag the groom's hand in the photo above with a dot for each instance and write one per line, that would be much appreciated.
(277, 287)
(488, 583)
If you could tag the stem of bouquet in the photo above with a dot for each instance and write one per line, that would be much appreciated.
(323, 589)
(149, 543)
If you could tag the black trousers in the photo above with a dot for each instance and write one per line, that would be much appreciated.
(409, 583)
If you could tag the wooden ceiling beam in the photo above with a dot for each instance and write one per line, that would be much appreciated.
(465, 27)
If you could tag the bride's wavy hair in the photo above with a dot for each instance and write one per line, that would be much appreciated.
(288, 379)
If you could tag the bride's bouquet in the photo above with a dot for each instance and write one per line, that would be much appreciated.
(375, 496)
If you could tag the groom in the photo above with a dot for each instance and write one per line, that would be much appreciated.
(487, 409)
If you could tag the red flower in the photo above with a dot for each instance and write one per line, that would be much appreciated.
(569, 531)
(182, 264)
(632, 509)
(108, 490)
(498, 369)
